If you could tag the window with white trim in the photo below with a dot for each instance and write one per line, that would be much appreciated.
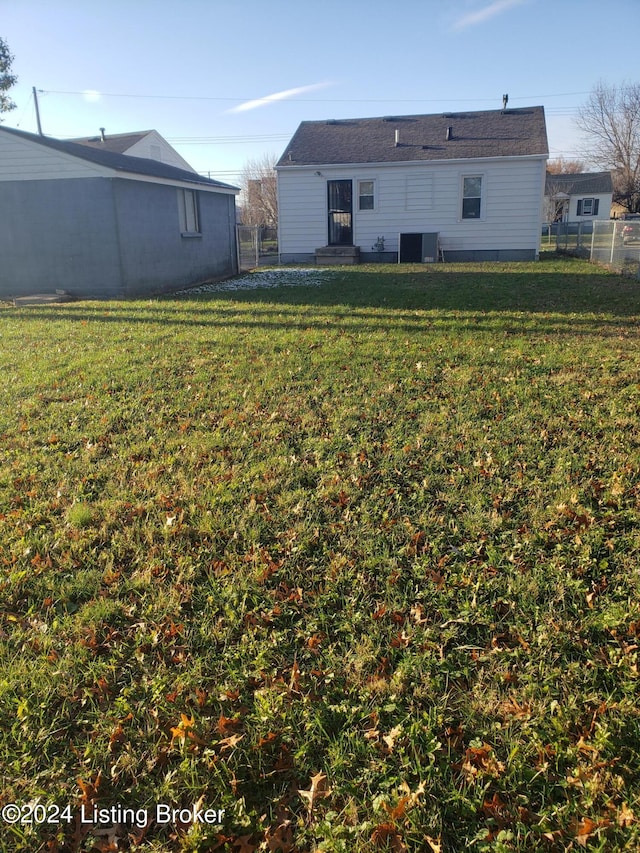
(366, 195)
(588, 206)
(188, 212)
(471, 196)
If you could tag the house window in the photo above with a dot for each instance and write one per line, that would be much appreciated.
(471, 197)
(188, 212)
(366, 195)
(588, 206)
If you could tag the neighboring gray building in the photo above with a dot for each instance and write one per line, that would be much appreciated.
(476, 179)
(578, 197)
(101, 224)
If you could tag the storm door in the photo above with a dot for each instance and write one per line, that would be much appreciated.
(340, 206)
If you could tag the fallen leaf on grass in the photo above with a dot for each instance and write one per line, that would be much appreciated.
(584, 829)
(181, 731)
(625, 816)
(399, 810)
(318, 791)
(90, 790)
(244, 844)
(480, 760)
(230, 742)
(280, 839)
(390, 739)
(386, 835)
(225, 725)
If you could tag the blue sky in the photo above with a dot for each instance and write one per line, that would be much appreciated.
(225, 82)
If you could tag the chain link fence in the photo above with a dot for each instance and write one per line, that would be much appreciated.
(601, 241)
(257, 246)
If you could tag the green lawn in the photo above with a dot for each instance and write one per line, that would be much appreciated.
(358, 564)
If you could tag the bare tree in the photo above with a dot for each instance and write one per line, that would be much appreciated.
(259, 201)
(611, 121)
(560, 166)
(7, 80)
(556, 200)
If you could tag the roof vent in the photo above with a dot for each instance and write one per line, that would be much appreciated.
(102, 136)
(449, 133)
(505, 101)
(397, 138)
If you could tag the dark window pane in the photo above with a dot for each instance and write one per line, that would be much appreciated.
(471, 208)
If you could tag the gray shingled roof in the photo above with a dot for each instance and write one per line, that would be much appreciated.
(119, 143)
(490, 133)
(580, 183)
(120, 162)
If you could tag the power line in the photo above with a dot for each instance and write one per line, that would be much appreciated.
(227, 140)
(317, 100)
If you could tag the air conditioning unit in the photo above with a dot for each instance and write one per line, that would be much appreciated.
(419, 248)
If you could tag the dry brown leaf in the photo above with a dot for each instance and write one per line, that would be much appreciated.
(280, 839)
(90, 789)
(225, 725)
(244, 844)
(434, 843)
(625, 816)
(584, 829)
(398, 811)
(180, 731)
(230, 742)
(387, 835)
(390, 739)
(319, 790)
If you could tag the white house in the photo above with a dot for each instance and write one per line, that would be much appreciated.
(476, 179)
(140, 143)
(583, 196)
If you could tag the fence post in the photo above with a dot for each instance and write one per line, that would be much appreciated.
(613, 243)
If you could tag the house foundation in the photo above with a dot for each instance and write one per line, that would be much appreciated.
(332, 255)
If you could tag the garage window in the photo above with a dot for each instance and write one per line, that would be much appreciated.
(188, 213)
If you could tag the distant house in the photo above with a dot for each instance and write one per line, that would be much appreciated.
(102, 224)
(377, 188)
(583, 196)
(142, 143)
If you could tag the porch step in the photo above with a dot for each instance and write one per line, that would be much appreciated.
(337, 255)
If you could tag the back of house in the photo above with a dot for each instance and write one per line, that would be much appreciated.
(474, 179)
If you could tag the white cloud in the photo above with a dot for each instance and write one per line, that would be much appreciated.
(277, 96)
(482, 15)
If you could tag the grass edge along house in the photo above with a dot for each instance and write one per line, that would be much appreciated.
(474, 181)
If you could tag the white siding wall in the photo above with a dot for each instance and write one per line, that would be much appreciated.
(23, 160)
(510, 216)
(155, 147)
(604, 207)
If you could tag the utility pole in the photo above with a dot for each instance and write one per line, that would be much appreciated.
(35, 100)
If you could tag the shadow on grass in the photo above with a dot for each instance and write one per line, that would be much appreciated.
(550, 296)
